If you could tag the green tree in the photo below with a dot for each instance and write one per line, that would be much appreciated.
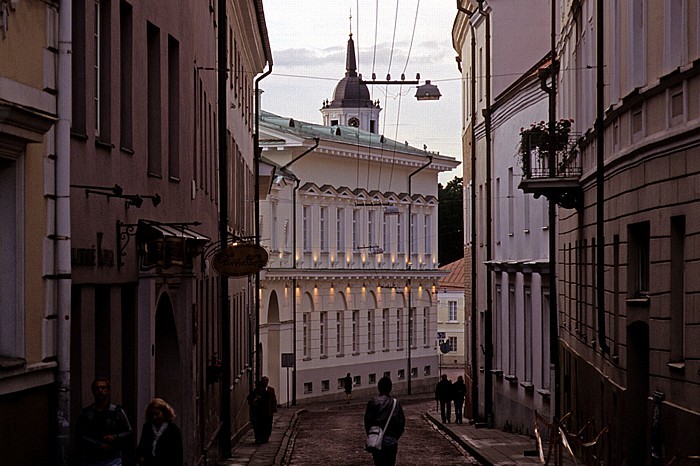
(450, 221)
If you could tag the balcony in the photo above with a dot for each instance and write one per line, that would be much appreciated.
(560, 181)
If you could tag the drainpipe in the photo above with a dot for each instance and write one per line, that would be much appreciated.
(62, 232)
(410, 266)
(294, 266)
(488, 325)
(225, 384)
(600, 177)
(472, 202)
(256, 161)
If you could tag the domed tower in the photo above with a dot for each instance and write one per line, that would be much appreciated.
(351, 104)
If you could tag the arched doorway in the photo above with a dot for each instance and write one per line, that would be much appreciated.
(637, 393)
(272, 365)
(168, 374)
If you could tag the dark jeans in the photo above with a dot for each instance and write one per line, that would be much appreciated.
(262, 428)
(445, 408)
(458, 410)
(386, 456)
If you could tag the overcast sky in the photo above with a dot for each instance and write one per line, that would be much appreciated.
(309, 40)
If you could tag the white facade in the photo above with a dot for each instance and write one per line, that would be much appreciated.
(345, 281)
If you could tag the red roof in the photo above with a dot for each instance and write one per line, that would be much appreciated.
(455, 279)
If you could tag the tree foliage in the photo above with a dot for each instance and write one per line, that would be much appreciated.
(450, 221)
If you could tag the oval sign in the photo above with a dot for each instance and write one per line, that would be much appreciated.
(240, 259)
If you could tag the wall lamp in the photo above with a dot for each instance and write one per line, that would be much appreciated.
(117, 191)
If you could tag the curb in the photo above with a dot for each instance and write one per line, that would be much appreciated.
(464, 444)
(287, 444)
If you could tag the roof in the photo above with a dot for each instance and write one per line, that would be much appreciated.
(338, 133)
(455, 278)
(351, 91)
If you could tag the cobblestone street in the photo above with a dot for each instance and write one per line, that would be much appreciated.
(333, 433)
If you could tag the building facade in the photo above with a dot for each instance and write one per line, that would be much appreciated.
(451, 323)
(628, 313)
(353, 253)
(28, 241)
(147, 307)
(506, 231)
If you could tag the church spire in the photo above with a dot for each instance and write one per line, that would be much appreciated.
(350, 63)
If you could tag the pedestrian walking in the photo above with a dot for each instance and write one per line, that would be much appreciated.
(443, 394)
(260, 412)
(272, 402)
(103, 429)
(347, 385)
(377, 414)
(161, 440)
(459, 392)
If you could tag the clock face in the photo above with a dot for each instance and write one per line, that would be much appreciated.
(354, 122)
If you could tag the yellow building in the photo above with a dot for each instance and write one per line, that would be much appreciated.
(451, 318)
(28, 234)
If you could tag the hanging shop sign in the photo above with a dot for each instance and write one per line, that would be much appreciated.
(240, 259)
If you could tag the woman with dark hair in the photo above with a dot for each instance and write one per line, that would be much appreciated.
(377, 413)
(161, 440)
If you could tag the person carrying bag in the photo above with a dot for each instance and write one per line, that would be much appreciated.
(384, 410)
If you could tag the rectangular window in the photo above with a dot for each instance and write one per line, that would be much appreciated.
(371, 240)
(370, 330)
(372, 379)
(339, 333)
(527, 353)
(322, 337)
(306, 228)
(306, 334)
(497, 330)
(357, 381)
(453, 343)
(323, 220)
(125, 75)
(452, 311)
(413, 230)
(78, 68)
(638, 259)
(355, 331)
(511, 202)
(427, 244)
(386, 240)
(401, 374)
(355, 230)
(400, 246)
(412, 327)
(385, 328)
(512, 333)
(340, 230)
(387, 374)
(173, 108)
(426, 371)
(676, 105)
(677, 333)
(308, 387)
(399, 327)
(544, 349)
(273, 226)
(11, 262)
(155, 109)
(414, 372)
(325, 385)
(425, 325)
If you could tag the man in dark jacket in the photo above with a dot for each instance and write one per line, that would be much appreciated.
(376, 414)
(459, 390)
(103, 429)
(443, 394)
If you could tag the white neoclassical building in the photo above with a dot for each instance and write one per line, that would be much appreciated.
(350, 224)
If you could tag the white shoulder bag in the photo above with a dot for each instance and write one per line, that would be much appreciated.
(376, 433)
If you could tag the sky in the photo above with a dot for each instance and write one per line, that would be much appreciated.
(309, 40)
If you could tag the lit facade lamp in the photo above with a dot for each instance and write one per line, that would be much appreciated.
(428, 91)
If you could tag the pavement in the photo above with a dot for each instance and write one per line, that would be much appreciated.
(491, 447)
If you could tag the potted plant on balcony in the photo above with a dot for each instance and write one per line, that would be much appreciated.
(538, 137)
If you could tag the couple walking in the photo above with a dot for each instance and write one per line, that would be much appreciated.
(446, 392)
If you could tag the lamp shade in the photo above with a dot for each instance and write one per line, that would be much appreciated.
(428, 92)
